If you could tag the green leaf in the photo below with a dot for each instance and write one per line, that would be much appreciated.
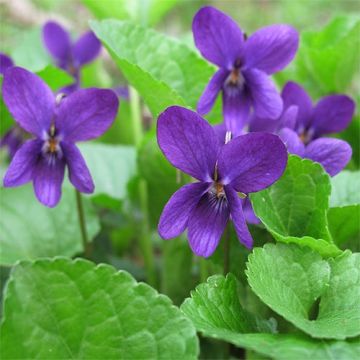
(111, 167)
(319, 297)
(164, 71)
(30, 53)
(294, 208)
(216, 312)
(215, 304)
(63, 309)
(140, 11)
(344, 212)
(30, 230)
(326, 61)
(55, 77)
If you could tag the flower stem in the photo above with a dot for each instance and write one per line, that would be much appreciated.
(85, 240)
(203, 270)
(227, 251)
(145, 238)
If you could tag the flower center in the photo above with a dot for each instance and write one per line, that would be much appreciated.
(306, 136)
(51, 145)
(218, 190)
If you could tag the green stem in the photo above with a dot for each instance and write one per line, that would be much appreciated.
(81, 216)
(203, 270)
(145, 239)
(226, 251)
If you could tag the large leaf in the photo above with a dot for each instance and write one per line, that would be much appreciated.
(216, 312)
(164, 71)
(294, 208)
(30, 230)
(344, 212)
(140, 11)
(63, 309)
(294, 281)
(111, 167)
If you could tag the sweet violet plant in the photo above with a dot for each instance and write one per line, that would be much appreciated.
(244, 66)
(56, 126)
(247, 164)
(302, 126)
(300, 266)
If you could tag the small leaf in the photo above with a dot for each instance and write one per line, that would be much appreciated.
(30, 230)
(63, 309)
(293, 280)
(164, 71)
(294, 208)
(216, 304)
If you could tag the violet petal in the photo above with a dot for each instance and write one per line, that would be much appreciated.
(271, 48)
(332, 154)
(57, 41)
(211, 92)
(79, 173)
(29, 100)
(174, 218)
(292, 141)
(48, 176)
(20, 170)
(5, 63)
(266, 99)
(188, 142)
(252, 162)
(86, 114)
(86, 48)
(236, 110)
(238, 218)
(294, 94)
(206, 224)
(218, 37)
(332, 114)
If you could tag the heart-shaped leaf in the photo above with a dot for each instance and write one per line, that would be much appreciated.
(63, 309)
(294, 209)
(319, 297)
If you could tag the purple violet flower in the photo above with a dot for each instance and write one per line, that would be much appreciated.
(84, 115)
(67, 55)
(301, 126)
(13, 139)
(246, 164)
(5, 63)
(245, 66)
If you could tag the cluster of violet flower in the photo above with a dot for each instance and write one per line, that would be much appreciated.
(245, 154)
(54, 122)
